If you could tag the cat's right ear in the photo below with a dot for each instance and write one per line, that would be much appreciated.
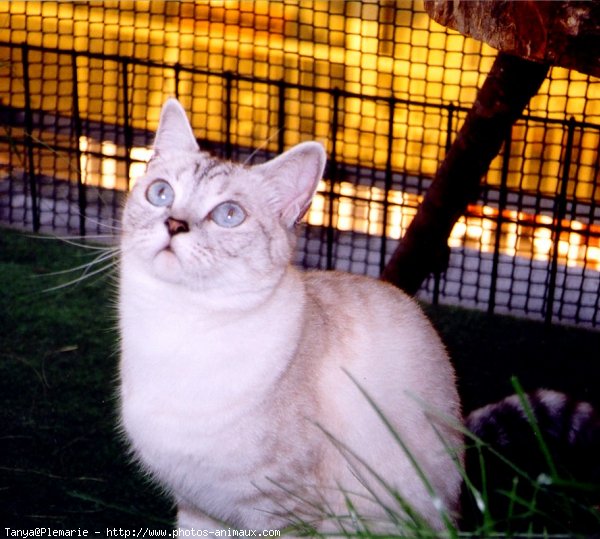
(294, 177)
(174, 131)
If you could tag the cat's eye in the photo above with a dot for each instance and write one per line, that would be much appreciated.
(160, 193)
(228, 215)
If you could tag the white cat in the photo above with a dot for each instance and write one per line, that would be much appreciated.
(243, 379)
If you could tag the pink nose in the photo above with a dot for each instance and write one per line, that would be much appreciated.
(175, 226)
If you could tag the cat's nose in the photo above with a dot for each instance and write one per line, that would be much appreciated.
(175, 226)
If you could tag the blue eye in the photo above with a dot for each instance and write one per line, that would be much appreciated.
(160, 193)
(228, 215)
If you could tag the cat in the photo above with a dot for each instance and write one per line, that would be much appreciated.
(570, 432)
(254, 392)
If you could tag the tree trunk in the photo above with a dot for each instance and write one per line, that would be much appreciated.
(424, 249)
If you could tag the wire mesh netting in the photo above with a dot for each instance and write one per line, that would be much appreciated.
(380, 84)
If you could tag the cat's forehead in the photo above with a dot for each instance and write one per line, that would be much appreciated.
(196, 167)
(201, 180)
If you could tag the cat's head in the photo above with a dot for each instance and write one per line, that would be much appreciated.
(213, 226)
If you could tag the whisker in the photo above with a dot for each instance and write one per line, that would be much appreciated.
(99, 223)
(81, 278)
(66, 239)
(79, 237)
(48, 205)
(263, 145)
(98, 260)
(102, 224)
(102, 257)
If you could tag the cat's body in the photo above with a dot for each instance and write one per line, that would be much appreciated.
(242, 378)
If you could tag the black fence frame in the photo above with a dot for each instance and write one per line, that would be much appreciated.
(125, 134)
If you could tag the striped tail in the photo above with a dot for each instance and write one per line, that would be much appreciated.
(555, 442)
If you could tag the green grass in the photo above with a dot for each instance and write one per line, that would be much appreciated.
(62, 463)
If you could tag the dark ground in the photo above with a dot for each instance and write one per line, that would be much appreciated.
(61, 461)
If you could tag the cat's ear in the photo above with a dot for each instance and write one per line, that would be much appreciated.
(293, 178)
(174, 130)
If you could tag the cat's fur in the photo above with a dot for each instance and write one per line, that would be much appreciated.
(570, 431)
(242, 378)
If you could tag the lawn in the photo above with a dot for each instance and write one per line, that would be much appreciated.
(62, 463)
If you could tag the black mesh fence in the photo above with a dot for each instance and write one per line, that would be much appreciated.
(378, 83)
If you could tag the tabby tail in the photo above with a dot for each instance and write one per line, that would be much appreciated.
(534, 465)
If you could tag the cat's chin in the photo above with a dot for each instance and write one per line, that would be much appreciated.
(167, 266)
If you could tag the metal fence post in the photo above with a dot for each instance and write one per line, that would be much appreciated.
(33, 191)
(449, 126)
(127, 129)
(333, 172)
(280, 116)
(560, 209)
(81, 188)
(177, 72)
(502, 198)
(388, 183)
(228, 91)
(592, 212)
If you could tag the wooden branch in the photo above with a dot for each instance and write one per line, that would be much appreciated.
(509, 86)
(560, 32)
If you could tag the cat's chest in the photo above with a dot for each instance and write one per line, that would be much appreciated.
(189, 375)
(175, 351)
(197, 408)
(185, 396)
(187, 380)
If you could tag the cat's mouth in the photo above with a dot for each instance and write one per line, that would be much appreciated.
(167, 263)
(167, 251)
(166, 246)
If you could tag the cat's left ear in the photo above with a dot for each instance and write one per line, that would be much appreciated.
(174, 131)
(294, 177)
